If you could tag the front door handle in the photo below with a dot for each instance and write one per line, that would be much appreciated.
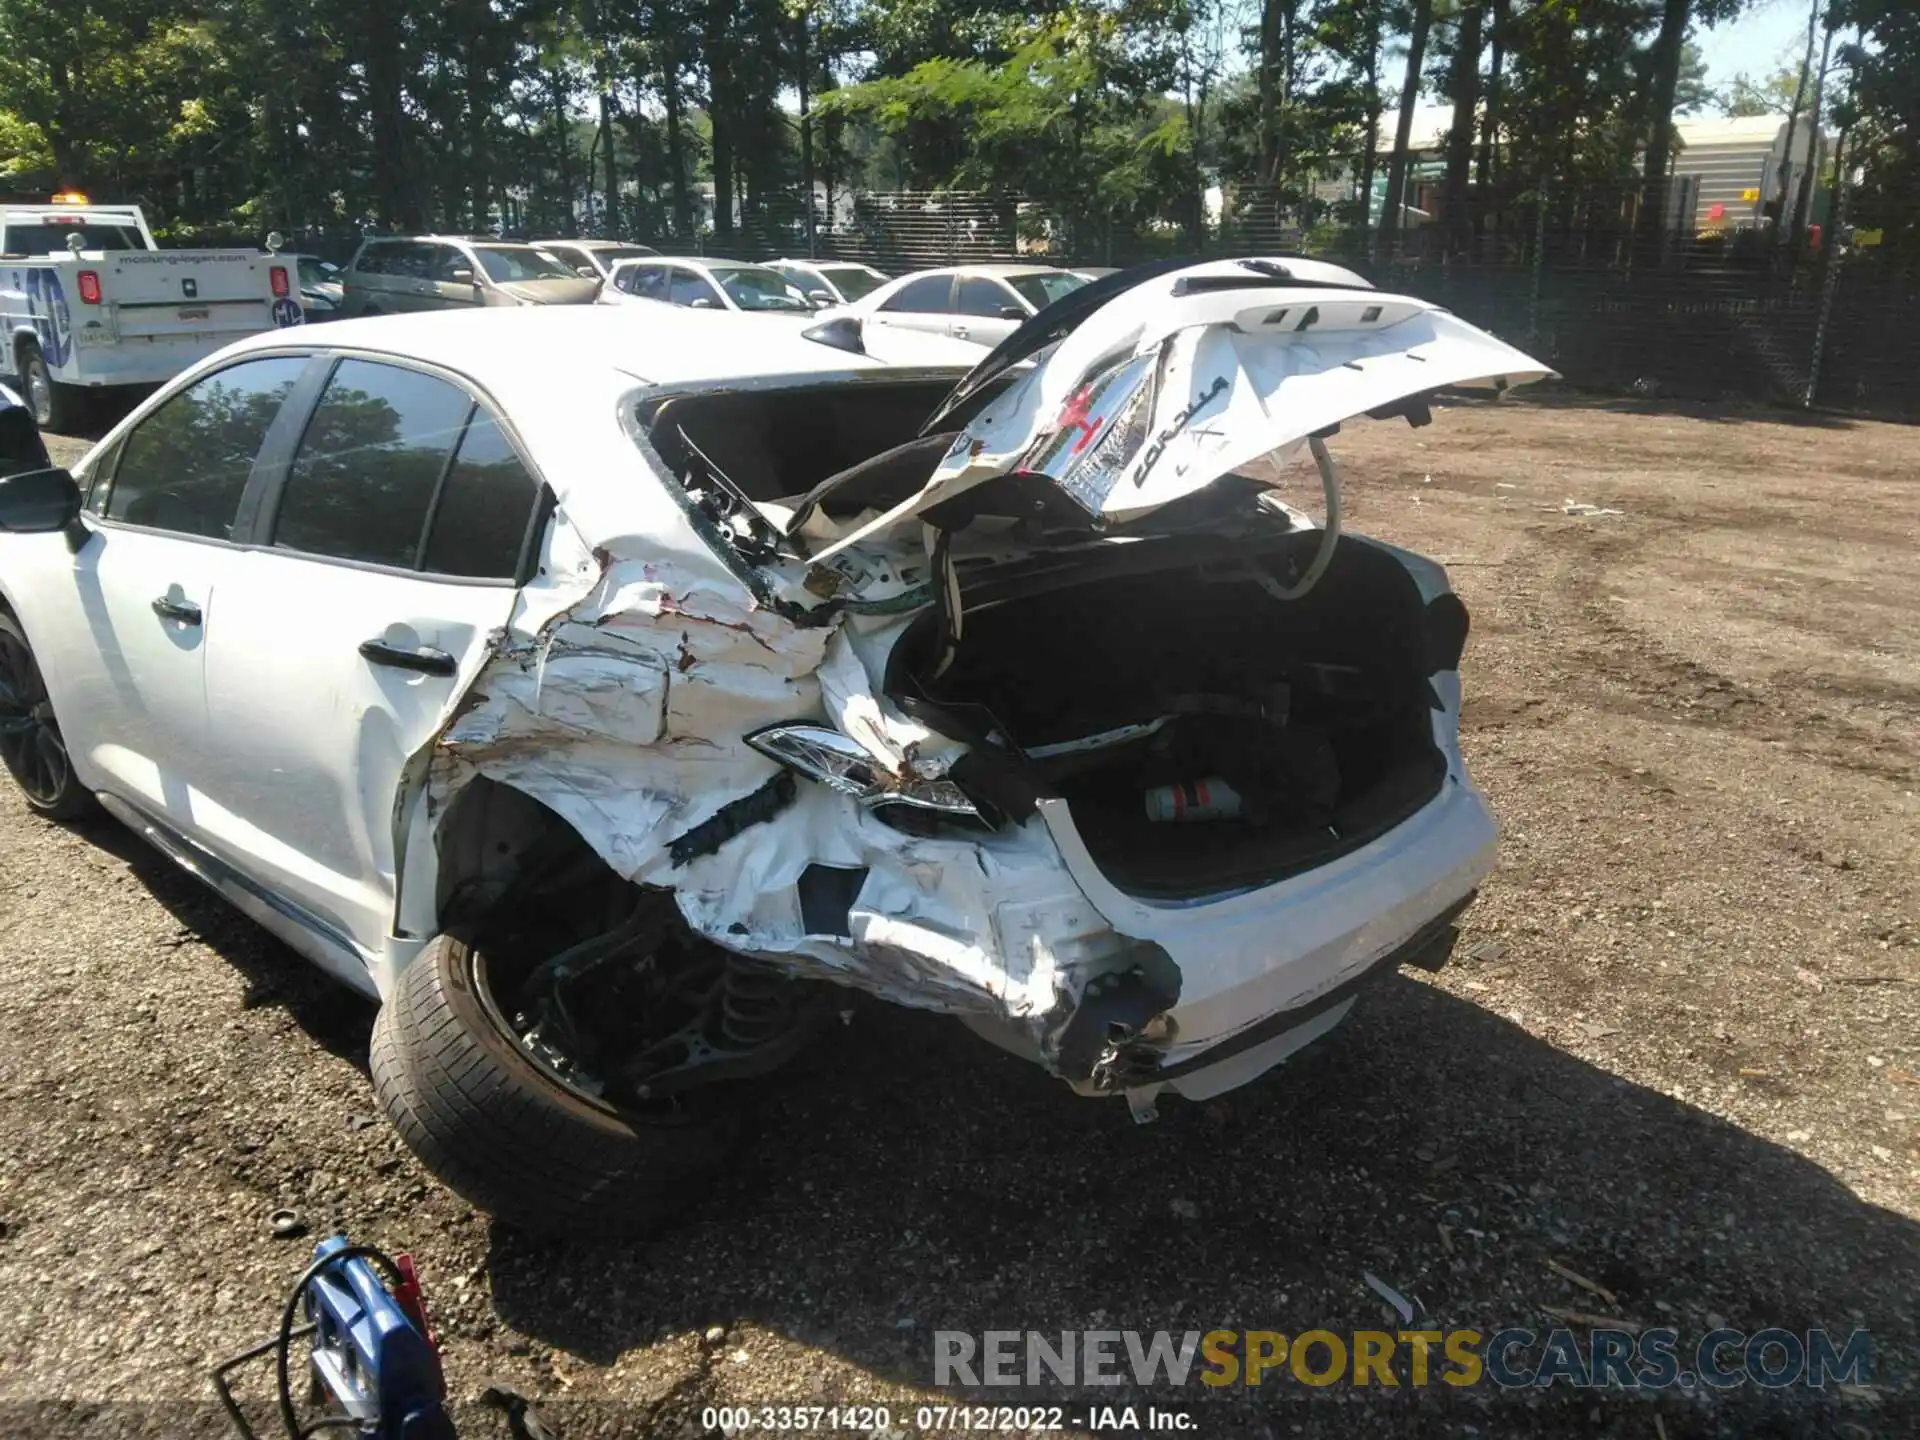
(960, 332)
(185, 611)
(424, 660)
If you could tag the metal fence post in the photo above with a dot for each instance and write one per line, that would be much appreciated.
(1835, 253)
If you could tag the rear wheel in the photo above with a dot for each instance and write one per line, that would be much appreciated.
(31, 745)
(55, 406)
(591, 1090)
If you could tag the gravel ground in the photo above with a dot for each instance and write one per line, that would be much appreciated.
(1680, 1057)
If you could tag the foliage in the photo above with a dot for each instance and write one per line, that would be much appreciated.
(665, 118)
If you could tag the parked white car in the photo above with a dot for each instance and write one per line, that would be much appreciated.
(601, 717)
(830, 282)
(705, 285)
(983, 304)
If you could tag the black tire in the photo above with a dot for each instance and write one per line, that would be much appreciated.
(55, 406)
(31, 745)
(502, 1132)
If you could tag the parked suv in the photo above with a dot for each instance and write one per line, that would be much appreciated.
(445, 272)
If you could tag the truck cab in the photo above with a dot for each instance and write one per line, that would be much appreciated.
(90, 303)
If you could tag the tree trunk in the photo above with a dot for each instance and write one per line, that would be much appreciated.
(562, 129)
(1464, 83)
(1668, 47)
(1369, 157)
(1803, 201)
(1267, 160)
(610, 219)
(1390, 214)
(1490, 126)
(676, 143)
(806, 132)
(1793, 130)
(393, 195)
(720, 112)
(479, 116)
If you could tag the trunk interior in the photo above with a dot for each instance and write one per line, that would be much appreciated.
(1316, 713)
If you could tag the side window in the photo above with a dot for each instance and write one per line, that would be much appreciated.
(689, 287)
(364, 476)
(373, 259)
(412, 262)
(649, 282)
(485, 505)
(985, 297)
(571, 256)
(446, 260)
(931, 296)
(185, 466)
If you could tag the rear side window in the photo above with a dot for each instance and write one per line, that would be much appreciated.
(930, 296)
(364, 477)
(647, 281)
(689, 287)
(985, 297)
(485, 507)
(185, 466)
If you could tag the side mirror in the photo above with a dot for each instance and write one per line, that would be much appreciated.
(702, 304)
(462, 276)
(586, 272)
(1012, 312)
(37, 502)
(819, 298)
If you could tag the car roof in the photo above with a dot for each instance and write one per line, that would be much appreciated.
(1001, 271)
(662, 345)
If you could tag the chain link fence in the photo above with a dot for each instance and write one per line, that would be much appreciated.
(1579, 278)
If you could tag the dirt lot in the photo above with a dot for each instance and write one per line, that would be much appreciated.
(1681, 1060)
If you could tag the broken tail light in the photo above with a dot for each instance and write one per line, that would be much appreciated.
(89, 281)
(842, 763)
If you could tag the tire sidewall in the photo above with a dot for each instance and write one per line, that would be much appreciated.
(454, 963)
(44, 410)
(74, 798)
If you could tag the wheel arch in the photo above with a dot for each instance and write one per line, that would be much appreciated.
(485, 841)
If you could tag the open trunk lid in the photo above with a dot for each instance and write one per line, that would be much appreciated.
(1182, 377)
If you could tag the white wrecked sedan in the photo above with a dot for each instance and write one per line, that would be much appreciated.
(603, 716)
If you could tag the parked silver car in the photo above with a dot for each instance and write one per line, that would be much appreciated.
(593, 259)
(390, 276)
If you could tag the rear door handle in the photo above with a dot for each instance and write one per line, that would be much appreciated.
(424, 660)
(185, 611)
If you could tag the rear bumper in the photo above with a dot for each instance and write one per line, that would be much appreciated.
(1256, 967)
(1258, 1048)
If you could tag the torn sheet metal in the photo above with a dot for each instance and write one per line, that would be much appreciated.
(626, 716)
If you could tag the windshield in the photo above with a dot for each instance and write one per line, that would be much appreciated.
(755, 287)
(1042, 289)
(507, 265)
(853, 281)
(316, 272)
(52, 239)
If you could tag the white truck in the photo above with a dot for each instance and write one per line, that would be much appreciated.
(89, 301)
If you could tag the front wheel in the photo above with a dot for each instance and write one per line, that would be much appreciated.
(504, 1131)
(31, 745)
